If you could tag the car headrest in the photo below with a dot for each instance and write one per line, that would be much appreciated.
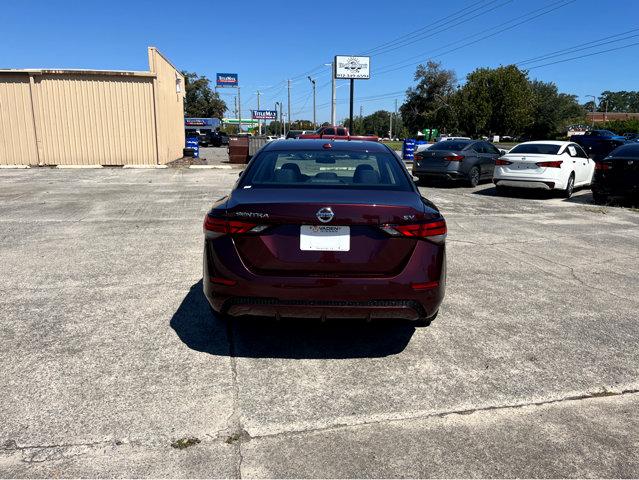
(285, 175)
(293, 167)
(365, 174)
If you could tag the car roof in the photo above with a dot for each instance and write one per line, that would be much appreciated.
(547, 142)
(337, 145)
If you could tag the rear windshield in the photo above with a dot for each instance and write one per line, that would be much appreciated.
(626, 151)
(326, 169)
(542, 148)
(453, 145)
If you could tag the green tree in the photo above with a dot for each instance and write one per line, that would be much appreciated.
(552, 111)
(200, 100)
(622, 101)
(428, 104)
(498, 100)
(274, 128)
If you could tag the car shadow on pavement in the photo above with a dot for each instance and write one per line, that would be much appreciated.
(256, 337)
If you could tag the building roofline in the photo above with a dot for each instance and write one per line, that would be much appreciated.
(61, 71)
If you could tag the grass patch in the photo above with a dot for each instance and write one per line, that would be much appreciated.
(394, 145)
(185, 442)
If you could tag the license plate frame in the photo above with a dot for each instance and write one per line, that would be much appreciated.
(325, 238)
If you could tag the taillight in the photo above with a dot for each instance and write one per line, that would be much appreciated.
(432, 231)
(501, 161)
(602, 166)
(553, 164)
(215, 227)
(454, 158)
(418, 156)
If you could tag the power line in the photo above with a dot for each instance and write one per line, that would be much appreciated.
(586, 55)
(584, 46)
(500, 31)
(443, 28)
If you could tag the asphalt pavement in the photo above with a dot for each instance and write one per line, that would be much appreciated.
(111, 360)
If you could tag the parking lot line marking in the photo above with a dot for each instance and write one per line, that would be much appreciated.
(15, 166)
(219, 167)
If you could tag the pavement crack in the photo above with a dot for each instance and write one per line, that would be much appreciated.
(472, 411)
(235, 434)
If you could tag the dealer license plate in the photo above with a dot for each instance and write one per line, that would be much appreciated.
(325, 238)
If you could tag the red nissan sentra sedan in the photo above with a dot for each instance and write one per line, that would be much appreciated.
(325, 229)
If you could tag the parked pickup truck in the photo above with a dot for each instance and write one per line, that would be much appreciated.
(332, 132)
(598, 143)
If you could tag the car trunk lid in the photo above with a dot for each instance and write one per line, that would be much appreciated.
(277, 250)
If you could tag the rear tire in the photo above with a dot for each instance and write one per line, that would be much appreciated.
(570, 188)
(474, 177)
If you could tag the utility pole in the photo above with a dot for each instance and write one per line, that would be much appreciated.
(259, 122)
(235, 111)
(289, 104)
(314, 122)
(239, 110)
(390, 128)
(333, 97)
(391, 123)
(282, 118)
(350, 116)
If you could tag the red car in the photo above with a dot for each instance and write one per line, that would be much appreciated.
(317, 229)
(335, 132)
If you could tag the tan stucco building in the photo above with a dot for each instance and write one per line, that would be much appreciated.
(92, 117)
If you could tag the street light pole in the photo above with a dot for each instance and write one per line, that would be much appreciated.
(333, 97)
(594, 104)
(313, 82)
(289, 105)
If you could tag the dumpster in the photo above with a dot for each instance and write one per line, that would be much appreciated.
(238, 148)
(192, 143)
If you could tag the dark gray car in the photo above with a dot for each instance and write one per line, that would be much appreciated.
(467, 160)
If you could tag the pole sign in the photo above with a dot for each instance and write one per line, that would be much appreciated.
(227, 80)
(350, 67)
(264, 114)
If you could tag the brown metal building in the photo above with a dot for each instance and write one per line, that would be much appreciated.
(92, 117)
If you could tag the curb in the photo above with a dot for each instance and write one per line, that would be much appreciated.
(78, 166)
(14, 166)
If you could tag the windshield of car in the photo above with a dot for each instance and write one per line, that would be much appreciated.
(326, 169)
(541, 148)
(453, 145)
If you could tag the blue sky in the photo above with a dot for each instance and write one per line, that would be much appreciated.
(268, 42)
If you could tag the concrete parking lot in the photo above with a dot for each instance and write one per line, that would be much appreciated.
(111, 359)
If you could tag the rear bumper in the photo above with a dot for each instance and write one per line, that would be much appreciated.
(449, 173)
(541, 184)
(325, 297)
(372, 309)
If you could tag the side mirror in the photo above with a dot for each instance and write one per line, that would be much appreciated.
(502, 152)
(240, 174)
